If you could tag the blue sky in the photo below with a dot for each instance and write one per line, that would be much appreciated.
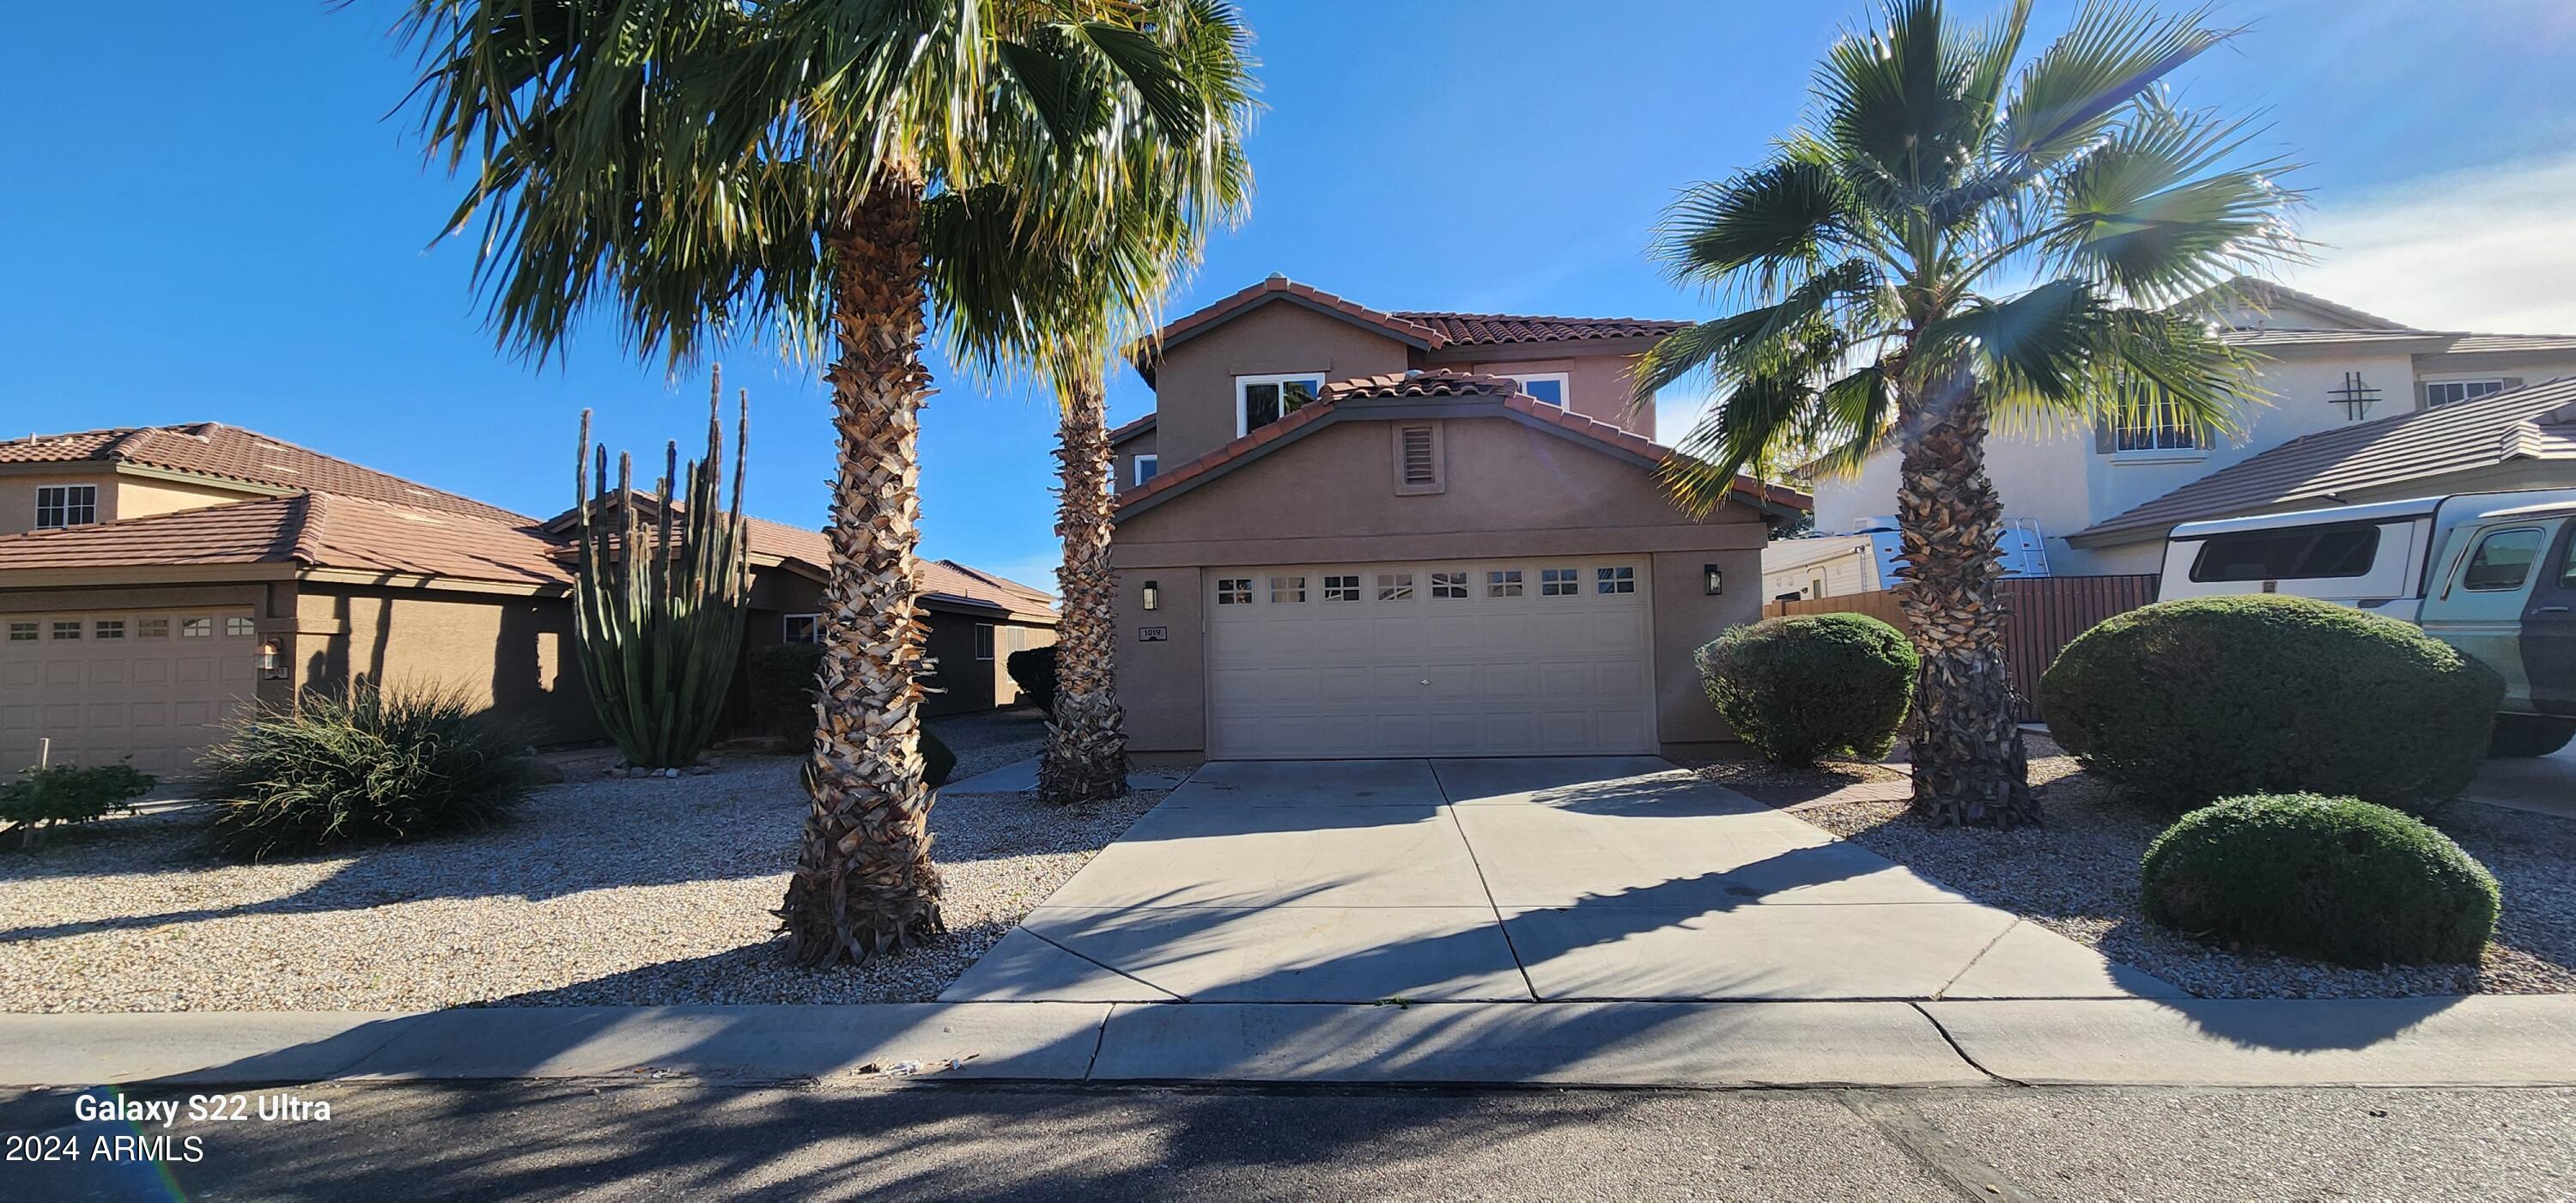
(209, 215)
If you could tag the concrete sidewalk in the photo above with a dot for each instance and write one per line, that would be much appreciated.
(2487, 1040)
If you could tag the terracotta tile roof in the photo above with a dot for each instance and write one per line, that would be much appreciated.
(232, 453)
(1281, 286)
(314, 530)
(1442, 383)
(1477, 329)
(2537, 422)
(1131, 430)
(2264, 294)
(1437, 382)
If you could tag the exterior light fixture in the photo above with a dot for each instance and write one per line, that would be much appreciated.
(1153, 595)
(1712, 579)
(272, 661)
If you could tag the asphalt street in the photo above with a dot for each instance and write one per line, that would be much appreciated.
(692, 1140)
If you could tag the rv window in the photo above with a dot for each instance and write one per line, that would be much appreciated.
(2298, 553)
(2502, 560)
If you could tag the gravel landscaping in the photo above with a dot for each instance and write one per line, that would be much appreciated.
(989, 739)
(2078, 875)
(603, 891)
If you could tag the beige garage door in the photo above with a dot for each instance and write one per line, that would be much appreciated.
(1480, 658)
(105, 684)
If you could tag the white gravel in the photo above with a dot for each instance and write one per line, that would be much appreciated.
(603, 891)
(2078, 875)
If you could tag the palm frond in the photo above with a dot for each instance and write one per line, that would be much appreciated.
(2161, 209)
(2113, 53)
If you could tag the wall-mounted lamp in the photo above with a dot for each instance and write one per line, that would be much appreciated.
(272, 660)
(1713, 580)
(1153, 595)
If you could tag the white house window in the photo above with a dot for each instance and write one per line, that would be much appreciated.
(1342, 588)
(2452, 392)
(1395, 586)
(1146, 467)
(800, 628)
(59, 506)
(239, 626)
(1615, 580)
(1287, 590)
(1550, 387)
(1262, 400)
(983, 641)
(2154, 426)
(1559, 582)
(1503, 583)
(1234, 591)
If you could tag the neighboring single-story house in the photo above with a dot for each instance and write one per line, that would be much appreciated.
(152, 578)
(1348, 532)
(2524, 438)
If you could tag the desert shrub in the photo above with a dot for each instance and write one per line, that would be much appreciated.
(66, 795)
(778, 684)
(2185, 701)
(1803, 688)
(1034, 671)
(2337, 879)
(377, 765)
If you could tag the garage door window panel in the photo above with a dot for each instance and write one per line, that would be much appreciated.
(67, 629)
(1505, 583)
(152, 628)
(1395, 586)
(1287, 591)
(1558, 582)
(1615, 580)
(1342, 588)
(1234, 591)
(1449, 584)
(22, 632)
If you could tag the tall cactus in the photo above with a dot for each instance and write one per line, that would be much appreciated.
(661, 633)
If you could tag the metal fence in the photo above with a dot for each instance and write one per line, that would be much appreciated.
(2045, 614)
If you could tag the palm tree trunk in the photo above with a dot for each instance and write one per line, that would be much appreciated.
(1086, 749)
(1969, 764)
(864, 883)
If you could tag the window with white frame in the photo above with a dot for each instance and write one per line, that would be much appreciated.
(1553, 388)
(152, 628)
(1504, 582)
(1395, 586)
(67, 629)
(1287, 590)
(983, 641)
(1615, 580)
(1449, 584)
(58, 506)
(196, 628)
(2154, 425)
(238, 625)
(22, 632)
(109, 628)
(1342, 588)
(1262, 400)
(1559, 582)
(1234, 591)
(1146, 467)
(2452, 392)
(800, 628)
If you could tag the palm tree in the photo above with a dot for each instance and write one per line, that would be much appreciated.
(1956, 237)
(838, 172)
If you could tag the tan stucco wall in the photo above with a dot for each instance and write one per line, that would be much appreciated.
(517, 655)
(144, 498)
(1598, 386)
(119, 496)
(1194, 385)
(1329, 498)
(1142, 444)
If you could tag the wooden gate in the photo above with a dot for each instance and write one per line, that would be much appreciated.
(2044, 614)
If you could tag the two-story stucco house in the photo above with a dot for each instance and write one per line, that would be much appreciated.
(2323, 367)
(1348, 532)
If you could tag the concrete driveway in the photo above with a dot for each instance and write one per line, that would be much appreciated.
(1520, 880)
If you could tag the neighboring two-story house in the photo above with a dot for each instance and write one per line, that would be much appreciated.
(2324, 367)
(1348, 532)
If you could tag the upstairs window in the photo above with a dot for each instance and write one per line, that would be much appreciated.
(2452, 392)
(2155, 425)
(1262, 400)
(1146, 467)
(58, 506)
(1551, 388)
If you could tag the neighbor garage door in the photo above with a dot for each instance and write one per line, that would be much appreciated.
(1480, 658)
(107, 684)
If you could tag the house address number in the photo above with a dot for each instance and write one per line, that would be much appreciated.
(1153, 634)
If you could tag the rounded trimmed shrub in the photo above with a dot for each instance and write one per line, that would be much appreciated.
(1811, 686)
(1033, 671)
(937, 761)
(2337, 879)
(375, 766)
(2185, 701)
(778, 687)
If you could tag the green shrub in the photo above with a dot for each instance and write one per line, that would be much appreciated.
(778, 681)
(2184, 701)
(1807, 687)
(1034, 671)
(375, 766)
(66, 795)
(2333, 878)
